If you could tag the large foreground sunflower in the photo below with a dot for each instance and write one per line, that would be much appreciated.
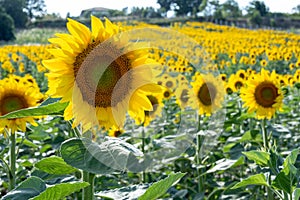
(100, 74)
(262, 95)
(208, 93)
(17, 93)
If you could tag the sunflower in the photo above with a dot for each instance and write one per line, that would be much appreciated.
(100, 73)
(183, 96)
(241, 74)
(235, 82)
(16, 94)
(263, 63)
(115, 132)
(157, 104)
(208, 93)
(262, 95)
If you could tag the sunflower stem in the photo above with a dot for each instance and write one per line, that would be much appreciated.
(88, 192)
(143, 150)
(198, 157)
(12, 160)
(264, 134)
(270, 195)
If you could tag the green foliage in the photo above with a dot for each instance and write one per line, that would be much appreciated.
(35, 8)
(29, 188)
(255, 18)
(6, 27)
(49, 109)
(259, 157)
(130, 192)
(258, 179)
(225, 164)
(159, 188)
(183, 8)
(54, 165)
(60, 191)
(16, 10)
(258, 6)
(148, 12)
(110, 156)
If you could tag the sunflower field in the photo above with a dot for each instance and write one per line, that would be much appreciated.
(129, 110)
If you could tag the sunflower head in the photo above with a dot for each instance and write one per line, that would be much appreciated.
(262, 95)
(100, 73)
(17, 93)
(208, 93)
(115, 132)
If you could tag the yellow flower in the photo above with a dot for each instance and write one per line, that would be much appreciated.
(16, 95)
(263, 63)
(100, 74)
(209, 93)
(235, 82)
(183, 96)
(262, 95)
(115, 132)
(157, 104)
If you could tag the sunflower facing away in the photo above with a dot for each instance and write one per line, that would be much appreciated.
(17, 93)
(100, 74)
(208, 93)
(262, 95)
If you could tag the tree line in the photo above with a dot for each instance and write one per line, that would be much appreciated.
(20, 13)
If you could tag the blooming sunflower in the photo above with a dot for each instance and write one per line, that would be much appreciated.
(115, 132)
(236, 82)
(157, 104)
(209, 93)
(183, 96)
(16, 94)
(262, 95)
(100, 73)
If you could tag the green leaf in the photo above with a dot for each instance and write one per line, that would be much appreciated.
(26, 142)
(288, 164)
(259, 157)
(252, 135)
(296, 194)
(257, 179)
(50, 101)
(50, 109)
(130, 192)
(225, 164)
(60, 191)
(111, 155)
(246, 115)
(160, 188)
(228, 147)
(282, 182)
(54, 165)
(29, 188)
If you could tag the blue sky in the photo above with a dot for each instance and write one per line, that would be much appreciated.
(75, 6)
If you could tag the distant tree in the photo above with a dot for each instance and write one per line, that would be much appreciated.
(125, 10)
(297, 9)
(165, 6)
(15, 8)
(35, 8)
(187, 7)
(6, 26)
(182, 7)
(148, 12)
(214, 9)
(231, 9)
(52, 16)
(259, 6)
(256, 18)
